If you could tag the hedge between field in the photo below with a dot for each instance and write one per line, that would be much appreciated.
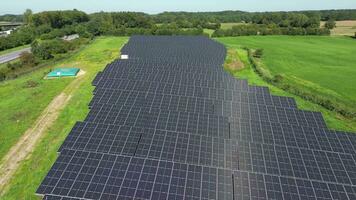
(331, 103)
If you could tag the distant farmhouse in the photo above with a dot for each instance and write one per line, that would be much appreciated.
(6, 28)
(70, 37)
(5, 33)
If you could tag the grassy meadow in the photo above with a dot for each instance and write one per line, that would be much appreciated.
(324, 65)
(27, 103)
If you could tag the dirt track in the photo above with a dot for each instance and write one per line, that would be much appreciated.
(26, 144)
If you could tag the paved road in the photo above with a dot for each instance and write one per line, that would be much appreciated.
(13, 55)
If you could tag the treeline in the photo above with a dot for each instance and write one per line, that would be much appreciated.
(256, 29)
(22, 36)
(11, 18)
(58, 19)
(249, 17)
(55, 24)
(189, 18)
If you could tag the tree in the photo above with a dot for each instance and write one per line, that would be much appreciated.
(40, 51)
(330, 24)
(28, 16)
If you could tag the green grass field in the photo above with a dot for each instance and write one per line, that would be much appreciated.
(28, 103)
(324, 64)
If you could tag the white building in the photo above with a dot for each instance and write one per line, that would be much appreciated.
(5, 33)
(70, 37)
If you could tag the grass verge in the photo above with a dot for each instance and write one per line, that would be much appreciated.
(92, 59)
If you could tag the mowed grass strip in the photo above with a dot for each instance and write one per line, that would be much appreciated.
(92, 60)
(324, 63)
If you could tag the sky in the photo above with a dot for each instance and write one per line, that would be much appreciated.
(157, 6)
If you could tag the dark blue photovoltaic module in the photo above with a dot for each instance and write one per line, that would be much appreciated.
(170, 123)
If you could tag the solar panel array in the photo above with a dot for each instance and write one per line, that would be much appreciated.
(170, 123)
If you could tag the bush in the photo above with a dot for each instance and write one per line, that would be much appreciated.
(46, 49)
(31, 84)
(258, 53)
(28, 59)
(330, 24)
(41, 51)
(14, 66)
(2, 76)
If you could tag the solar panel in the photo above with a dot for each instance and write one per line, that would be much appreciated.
(170, 123)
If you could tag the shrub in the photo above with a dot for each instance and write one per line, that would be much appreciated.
(277, 78)
(2, 76)
(31, 84)
(13, 66)
(330, 24)
(28, 59)
(258, 53)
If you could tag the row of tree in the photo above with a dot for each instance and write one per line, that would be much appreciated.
(220, 17)
(240, 16)
(54, 24)
(256, 29)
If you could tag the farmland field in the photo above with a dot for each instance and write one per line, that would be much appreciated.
(343, 28)
(229, 25)
(324, 65)
(30, 102)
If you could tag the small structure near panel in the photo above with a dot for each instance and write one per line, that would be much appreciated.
(124, 57)
(63, 72)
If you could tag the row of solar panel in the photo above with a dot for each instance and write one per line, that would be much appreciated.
(129, 69)
(183, 80)
(153, 117)
(198, 92)
(175, 50)
(92, 175)
(275, 134)
(152, 65)
(107, 96)
(214, 152)
(196, 105)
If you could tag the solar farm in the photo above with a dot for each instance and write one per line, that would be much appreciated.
(170, 123)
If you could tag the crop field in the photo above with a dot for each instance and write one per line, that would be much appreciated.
(324, 65)
(21, 105)
(229, 25)
(347, 27)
